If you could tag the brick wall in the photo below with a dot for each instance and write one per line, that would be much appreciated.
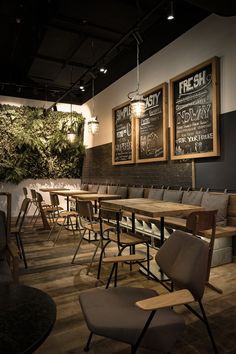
(98, 168)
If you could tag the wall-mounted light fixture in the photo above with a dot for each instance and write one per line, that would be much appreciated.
(171, 15)
(93, 124)
(137, 102)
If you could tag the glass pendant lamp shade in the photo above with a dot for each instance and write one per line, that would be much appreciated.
(71, 136)
(93, 125)
(137, 106)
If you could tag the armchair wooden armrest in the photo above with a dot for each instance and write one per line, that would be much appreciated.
(126, 258)
(179, 297)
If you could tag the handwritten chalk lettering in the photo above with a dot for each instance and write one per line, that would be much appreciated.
(192, 82)
(193, 114)
(122, 113)
(152, 100)
(200, 137)
(145, 121)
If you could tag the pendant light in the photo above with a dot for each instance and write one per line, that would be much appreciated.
(137, 102)
(93, 124)
(71, 133)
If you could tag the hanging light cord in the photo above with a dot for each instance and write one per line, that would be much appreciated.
(71, 114)
(92, 97)
(137, 67)
(132, 93)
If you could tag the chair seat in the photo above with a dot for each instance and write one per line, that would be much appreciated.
(127, 239)
(96, 227)
(124, 321)
(51, 209)
(65, 214)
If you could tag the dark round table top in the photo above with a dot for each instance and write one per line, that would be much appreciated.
(27, 316)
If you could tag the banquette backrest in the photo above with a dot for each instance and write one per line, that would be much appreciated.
(225, 203)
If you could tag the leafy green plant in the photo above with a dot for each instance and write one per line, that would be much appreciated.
(35, 145)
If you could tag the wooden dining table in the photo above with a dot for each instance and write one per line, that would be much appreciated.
(52, 189)
(97, 197)
(70, 193)
(151, 208)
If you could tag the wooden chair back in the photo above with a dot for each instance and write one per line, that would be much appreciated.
(25, 192)
(199, 221)
(22, 213)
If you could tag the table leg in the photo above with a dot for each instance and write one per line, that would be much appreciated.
(133, 222)
(162, 230)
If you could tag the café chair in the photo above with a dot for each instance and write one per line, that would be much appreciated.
(33, 202)
(25, 192)
(123, 240)
(90, 224)
(16, 230)
(9, 257)
(199, 222)
(64, 220)
(142, 318)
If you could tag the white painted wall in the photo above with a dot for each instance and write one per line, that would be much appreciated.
(214, 36)
(18, 196)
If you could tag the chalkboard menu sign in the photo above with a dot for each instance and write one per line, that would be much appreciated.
(195, 112)
(123, 136)
(151, 129)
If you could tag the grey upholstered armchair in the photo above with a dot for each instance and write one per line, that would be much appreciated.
(141, 318)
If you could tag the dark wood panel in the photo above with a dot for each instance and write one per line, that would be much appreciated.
(98, 168)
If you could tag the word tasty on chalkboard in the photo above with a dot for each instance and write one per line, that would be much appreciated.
(151, 128)
(122, 136)
(194, 103)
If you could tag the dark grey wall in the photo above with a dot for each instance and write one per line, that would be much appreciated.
(219, 173)
(216, 173)
(98, 168)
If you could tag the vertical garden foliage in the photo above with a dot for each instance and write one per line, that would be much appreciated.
(34, 144)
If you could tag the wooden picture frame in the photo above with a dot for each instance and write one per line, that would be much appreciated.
(123, 135)
(194, 112)
(151, 129)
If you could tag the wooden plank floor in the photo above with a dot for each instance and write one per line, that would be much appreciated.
(50, 269)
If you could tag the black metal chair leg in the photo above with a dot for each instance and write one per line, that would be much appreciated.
(86, 348)
(208, 328)
(100, 259)
(22, 250)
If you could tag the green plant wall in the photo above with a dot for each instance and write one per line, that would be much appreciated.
(34, 144)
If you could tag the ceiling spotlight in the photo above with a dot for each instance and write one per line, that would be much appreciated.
(103, 70)
(170, 15)
(81, 87)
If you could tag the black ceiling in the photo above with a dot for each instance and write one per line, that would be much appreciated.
(50, 47)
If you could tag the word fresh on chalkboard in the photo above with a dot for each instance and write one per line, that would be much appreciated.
(151, 128)
(123, 136)
(194, 112)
